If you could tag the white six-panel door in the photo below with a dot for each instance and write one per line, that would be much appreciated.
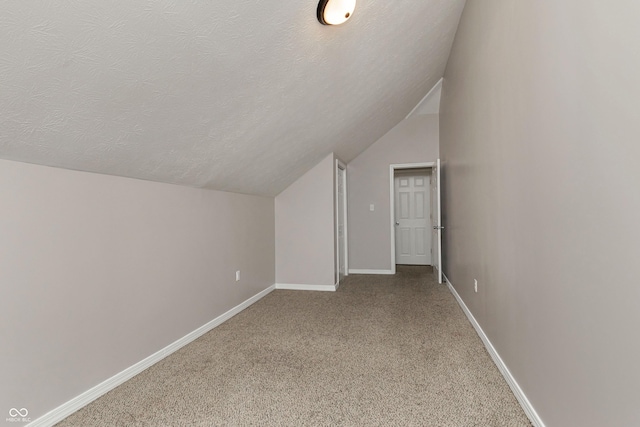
(412, 217)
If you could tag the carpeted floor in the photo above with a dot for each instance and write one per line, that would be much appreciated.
(381, 351)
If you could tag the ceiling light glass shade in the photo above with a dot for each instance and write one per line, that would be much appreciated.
(334, 12)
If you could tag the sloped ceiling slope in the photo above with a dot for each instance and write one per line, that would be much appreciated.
(241, 96)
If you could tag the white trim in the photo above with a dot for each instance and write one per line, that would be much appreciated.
(357, 271)
(437, 171)
(346, 223)
(61, 412)
(341, 165)
(299, 287)
(392, 202)
(513, 384)
(435, 87)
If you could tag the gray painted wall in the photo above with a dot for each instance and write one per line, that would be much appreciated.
(413, 140)
(540, 131)
(98, 272)
(305, 228)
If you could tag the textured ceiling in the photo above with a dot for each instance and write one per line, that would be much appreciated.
(241, 96)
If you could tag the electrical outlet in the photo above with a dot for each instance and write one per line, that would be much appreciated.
(237, 275)
(475, 285)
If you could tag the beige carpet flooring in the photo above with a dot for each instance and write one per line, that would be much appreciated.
(381, 351)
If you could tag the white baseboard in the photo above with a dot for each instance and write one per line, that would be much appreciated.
(296, 287)
(357, 271)
(502, 367)
(61, 412)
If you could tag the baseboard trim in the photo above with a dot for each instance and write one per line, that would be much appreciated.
(298, 287)
(61, 412)
(502, 367)
(359, 271)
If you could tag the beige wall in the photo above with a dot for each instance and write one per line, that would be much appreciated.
(305, 228)
(414, 140)
(98, 272)
(540, 143)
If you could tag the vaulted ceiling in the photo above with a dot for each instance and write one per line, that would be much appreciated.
(233, 95)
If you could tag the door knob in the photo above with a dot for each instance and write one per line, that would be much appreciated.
(397, 222)
(435, 227)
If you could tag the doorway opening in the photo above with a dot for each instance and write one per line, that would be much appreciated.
(412, 216)
(416, 229)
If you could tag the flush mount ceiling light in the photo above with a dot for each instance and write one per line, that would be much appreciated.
(335, 12)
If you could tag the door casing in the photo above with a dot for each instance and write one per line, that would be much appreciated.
(392, 202)
(341, 249)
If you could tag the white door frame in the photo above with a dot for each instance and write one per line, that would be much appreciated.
(341, 165)
(438, 226)
(392, 202)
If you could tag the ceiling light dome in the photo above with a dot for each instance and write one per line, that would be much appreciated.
(335, 12)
